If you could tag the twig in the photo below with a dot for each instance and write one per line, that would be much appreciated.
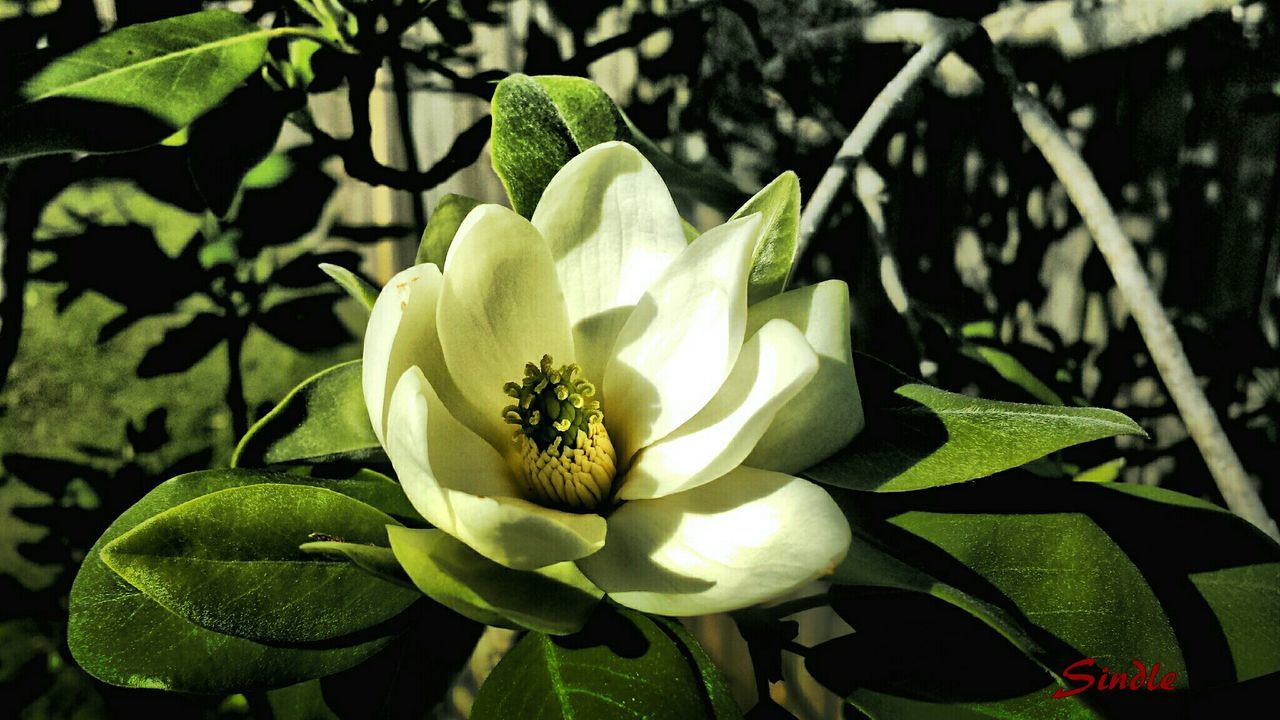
(357, 153)
(881, 109)
(1141, 299)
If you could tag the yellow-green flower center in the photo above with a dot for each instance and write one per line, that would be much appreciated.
(566, 457)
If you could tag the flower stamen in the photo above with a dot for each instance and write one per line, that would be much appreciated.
(566, 457)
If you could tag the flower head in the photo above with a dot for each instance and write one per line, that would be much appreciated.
(589, 386)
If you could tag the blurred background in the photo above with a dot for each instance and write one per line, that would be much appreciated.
(155, 303)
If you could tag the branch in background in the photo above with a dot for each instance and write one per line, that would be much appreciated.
(1082, 187)
(869, 186)
(357, 152)
(645, 25)
(480, 85)
(1141, 299)
(1058, 25)
(939, 42)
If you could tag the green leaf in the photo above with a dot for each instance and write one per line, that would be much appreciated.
(556, 599)
(779, 203)
(443, 225)
(1064, 574)
(1108, 471)
(134, 86)
(623, 664)
(229, 561)
(1246, 601)
(1012, 369)
(1064, 570)
(539, 124)
(542, 122)
(122, 637)
(355, 285)
(303, 701)
(919, 436)
(412, 675)
(322, 420)
(940, 662)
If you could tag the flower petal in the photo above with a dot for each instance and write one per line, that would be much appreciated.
(500, 307)
(748, 537)
(772, 367)
(463, 486)
(401, 324)
(401, 334)
(613, 229)
(556, 599)
(825, 415)
(680, 342)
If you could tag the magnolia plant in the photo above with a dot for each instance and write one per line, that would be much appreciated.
(580, 417)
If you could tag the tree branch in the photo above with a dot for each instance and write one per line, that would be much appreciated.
(933, 48)
(1058, 25)
(1082, 187)
(1141, 299)
(357, 153)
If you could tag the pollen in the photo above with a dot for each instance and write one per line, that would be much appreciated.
(566, 457)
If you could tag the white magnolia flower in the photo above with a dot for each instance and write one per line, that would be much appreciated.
(591, 387)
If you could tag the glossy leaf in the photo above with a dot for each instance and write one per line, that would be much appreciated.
(775, 250)
(229, 561)
(412, 675)
(1064, 570)
(1246, 601)
(303, 701)
(321, 420)
(919, 436)
(443, 225)
(539, 124)
(107, 612)
(555, 599)
(1011, 369)
(940, 662)
(623, 664)
(134, 86)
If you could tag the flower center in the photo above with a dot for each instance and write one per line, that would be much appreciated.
(566, 457)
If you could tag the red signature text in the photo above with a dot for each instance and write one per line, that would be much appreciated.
(1108, 679)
